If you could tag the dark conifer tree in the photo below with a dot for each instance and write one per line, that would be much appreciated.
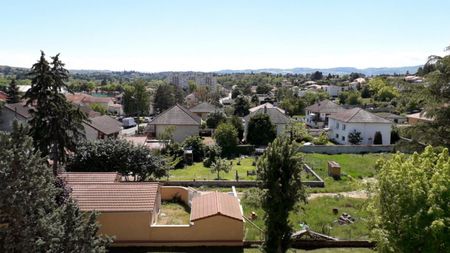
(13, 93)
(56, 125)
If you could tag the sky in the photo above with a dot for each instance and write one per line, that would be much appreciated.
(169, 35)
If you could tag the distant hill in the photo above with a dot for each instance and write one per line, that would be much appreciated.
(335, 71)
(6, 70)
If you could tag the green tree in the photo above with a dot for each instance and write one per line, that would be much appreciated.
(279, 176)
(220, 165)
(166, 96)
(378, 138)
(263, 88)
(237, 123)
(214, 119)
(365, 92)
(386, 93)
(226, 137)
(196, 144)
(355, 137)
(32, 220)
(98, 108)
(410, 203)
(117, 155)
(13, 93)
(241, 106)
(136, 99)
(260, 130)
(56, 124)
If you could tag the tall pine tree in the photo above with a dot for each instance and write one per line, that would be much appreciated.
(56, 125)
(31, 220)
(13, 93)
(279, 175)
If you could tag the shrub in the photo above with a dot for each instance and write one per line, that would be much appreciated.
(226, 137)
(196, 144)
(260, 131)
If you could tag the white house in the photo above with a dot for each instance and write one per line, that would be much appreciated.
(342, 123)
(184, 123)
(335, 90)
(317, 114)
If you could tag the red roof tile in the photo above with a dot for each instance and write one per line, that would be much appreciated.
(90, 177)
(215, 203)
(115, 197)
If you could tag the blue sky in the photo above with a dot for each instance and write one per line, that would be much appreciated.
(212, 35)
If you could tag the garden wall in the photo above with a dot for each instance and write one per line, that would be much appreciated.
(346, 149)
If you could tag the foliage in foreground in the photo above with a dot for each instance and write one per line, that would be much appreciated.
(31, 220)
(410, 207)
(118, 156)
(279, 173)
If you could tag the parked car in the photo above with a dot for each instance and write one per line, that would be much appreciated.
(128, 122)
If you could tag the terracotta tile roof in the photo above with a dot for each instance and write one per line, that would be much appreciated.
(177, 115)
(358, 115)
(3, 96)
(115, 197)
(325, 106)
(81, 98)
(215, 203)
(90, 177)
(105, 124)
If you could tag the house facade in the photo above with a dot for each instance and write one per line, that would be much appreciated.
(317, 114)
(102, 127)
(343, 123)
(14, 112)
(180, 120)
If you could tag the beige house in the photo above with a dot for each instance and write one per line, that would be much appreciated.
(183, 122)
(318, 113)
(129, 212)
(102, 127)
(203, 109)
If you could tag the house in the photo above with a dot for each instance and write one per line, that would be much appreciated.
(191, 100)
(203, 109)
(86, 99)
(184, 123)
(344, 122)
(317, 114)
(394, 118)
(419, 117)
(267, 105)
(129, 211)
(279, 119)
(335, 90)
(102, 127)
(11, 112)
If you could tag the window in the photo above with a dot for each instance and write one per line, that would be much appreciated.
(337, 125)
(343, 138)
(337, 136)
(343, 127)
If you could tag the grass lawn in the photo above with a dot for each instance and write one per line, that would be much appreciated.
(199, 172)
(225, 250)
(172, 213)
(355, 167)
(318, 215)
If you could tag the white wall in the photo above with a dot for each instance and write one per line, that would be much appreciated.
(367, 130)
(180, 133)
